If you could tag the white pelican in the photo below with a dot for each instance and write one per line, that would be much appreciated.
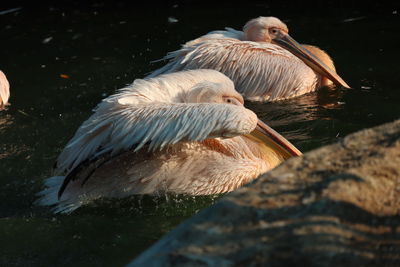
(4, 90)
(263, 61)
(184, 133)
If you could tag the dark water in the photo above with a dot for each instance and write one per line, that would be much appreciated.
(101, 47)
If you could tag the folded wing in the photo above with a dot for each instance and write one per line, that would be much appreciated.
(260, 71)
(128, 123)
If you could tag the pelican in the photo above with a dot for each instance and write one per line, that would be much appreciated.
(264, 62)
(4, 90)
(183, 133)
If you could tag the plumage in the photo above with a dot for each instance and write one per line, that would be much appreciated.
(258, 60)
(4, 90)
(184, 133)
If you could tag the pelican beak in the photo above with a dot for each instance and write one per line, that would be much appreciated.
(276, 142)
(284, 40)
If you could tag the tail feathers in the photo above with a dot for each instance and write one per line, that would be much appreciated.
(169, 67)
(49, 197)
(174, 64)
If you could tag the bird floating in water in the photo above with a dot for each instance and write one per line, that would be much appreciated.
(4, 90)
(183, 133)
(263, 61)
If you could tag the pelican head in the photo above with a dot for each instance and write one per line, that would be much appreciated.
(272, 30)
(211, 92)
(263, 29)
(223, 92)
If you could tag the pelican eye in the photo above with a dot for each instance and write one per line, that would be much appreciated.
(231, 100)
(273, 30)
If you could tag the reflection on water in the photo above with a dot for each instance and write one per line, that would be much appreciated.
(6, 150)
(299, 119)
(62, 60)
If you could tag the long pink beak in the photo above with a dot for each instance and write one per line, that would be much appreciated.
(274, 140)
(284, 40)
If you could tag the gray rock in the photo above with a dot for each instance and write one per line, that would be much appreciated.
(335, 206)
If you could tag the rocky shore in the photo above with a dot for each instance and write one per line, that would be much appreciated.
(335, 206)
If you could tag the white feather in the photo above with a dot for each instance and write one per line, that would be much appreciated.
(151, 112)
(260, 71)
(4, 90)
(195, 143)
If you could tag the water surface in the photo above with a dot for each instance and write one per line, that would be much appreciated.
(62, 59)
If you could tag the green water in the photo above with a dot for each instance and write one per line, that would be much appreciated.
(102, 47)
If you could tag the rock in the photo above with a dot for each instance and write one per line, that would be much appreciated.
(335, 206)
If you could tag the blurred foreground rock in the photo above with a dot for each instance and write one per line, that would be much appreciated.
(336, 206)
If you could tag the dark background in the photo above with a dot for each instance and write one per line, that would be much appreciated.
(102, 46)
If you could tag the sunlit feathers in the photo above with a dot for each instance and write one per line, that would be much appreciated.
(183, 133)
(261, 70)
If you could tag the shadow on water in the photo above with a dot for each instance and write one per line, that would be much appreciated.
(62, 59)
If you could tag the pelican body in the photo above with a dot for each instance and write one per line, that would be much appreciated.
(184, 133)
(264, 62)
(4, 90)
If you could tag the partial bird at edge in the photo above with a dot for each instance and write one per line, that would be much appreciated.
(4, 90)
